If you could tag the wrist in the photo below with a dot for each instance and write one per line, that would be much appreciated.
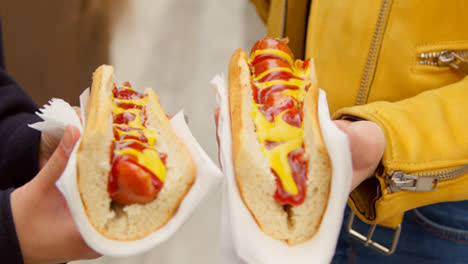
(20, 216)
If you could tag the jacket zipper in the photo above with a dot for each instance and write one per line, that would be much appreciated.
(422, 181)
(427, 181)
(374, 50)
(455, 59)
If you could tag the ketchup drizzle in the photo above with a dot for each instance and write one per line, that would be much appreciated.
(126, 94)
(123, 118)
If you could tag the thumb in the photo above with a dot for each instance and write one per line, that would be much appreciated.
(57, 162)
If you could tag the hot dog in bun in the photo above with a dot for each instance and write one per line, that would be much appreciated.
(281, 163)
(132, 170)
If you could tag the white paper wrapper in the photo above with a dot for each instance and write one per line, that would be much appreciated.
(56, 115)
(242, 239)
(208, 175)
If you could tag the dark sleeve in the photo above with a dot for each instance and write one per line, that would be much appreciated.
(19, 147)
(10, 251)
(19, 144)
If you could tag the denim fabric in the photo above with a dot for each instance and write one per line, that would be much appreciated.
(432, 234)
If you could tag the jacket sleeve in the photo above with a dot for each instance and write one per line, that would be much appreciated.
(19, 147)
(10, 249)
(19, 144)
(426, 135)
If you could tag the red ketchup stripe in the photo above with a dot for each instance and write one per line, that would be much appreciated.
(276, 107)
(128, 106)
(269, 62)
(123, 118)
(126, 94)
(272, 144)
(163, 157)
(118, 145)
(261, 96)
(293, 117)
(278, 75)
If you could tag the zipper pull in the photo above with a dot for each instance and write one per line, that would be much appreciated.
(400, 181)
(455, 61)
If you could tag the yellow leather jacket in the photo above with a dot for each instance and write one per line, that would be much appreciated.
(387, 61)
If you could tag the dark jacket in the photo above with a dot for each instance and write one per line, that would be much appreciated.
(19, 149)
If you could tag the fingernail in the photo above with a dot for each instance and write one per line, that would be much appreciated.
(68, 141)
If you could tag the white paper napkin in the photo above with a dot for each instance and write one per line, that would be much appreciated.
(58, 115)
(242, 239)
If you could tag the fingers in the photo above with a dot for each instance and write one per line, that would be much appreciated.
(342, 124)
(367, 145)
(46, 147)
(368, 142)
(57, 162)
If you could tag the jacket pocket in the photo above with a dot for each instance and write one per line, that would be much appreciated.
(435, 58)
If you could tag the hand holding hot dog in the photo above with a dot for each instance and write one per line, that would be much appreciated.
(44, 226)
(367, 144)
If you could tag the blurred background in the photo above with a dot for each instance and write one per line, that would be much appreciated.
(174, 46)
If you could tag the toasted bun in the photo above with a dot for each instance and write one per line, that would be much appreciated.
(127, 222)
(294, 224)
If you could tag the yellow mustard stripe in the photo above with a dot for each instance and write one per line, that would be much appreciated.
(143, 101)
(275, 52)
(278, 156)
(298, 94)
(303, 73)
(265, 73)
(294, 82)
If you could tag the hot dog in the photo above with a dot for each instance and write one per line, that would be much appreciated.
(132, 170)
(281, 163)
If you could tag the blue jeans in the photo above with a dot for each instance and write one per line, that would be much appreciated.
(432, 234)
